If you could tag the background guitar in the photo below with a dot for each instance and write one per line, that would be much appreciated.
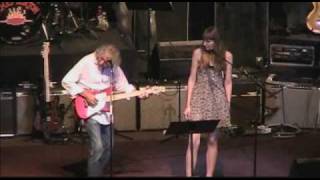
(52, 117)
(313, 18)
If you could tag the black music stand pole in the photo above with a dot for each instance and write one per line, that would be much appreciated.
(190, 127)
(179, 111)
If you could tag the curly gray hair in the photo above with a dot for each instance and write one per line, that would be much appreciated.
(113, 50)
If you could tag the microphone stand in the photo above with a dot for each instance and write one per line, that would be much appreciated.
(261, 110)
(112, 80)
(112, 129)
(111, 117)
(261, 90)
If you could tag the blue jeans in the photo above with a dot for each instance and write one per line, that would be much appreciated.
(99, 147)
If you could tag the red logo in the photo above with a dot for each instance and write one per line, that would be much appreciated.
(17, 12)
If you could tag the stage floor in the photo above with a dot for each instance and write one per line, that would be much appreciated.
(147, 155)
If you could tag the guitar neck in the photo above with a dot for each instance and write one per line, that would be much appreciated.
(116, 97)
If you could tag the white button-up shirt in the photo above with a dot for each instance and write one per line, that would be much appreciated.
(87, 75)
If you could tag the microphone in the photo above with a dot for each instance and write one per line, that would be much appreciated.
(110, 63)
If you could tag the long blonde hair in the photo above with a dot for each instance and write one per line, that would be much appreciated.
(217, 54)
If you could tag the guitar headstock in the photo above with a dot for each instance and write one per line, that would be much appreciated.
(45, 50)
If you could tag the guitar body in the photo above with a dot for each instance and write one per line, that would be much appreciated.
(84, 111)
(313, 18)
(53, 111)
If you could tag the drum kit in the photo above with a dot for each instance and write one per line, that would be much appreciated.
(22, 22)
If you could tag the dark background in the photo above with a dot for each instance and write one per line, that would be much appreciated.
(246, 28)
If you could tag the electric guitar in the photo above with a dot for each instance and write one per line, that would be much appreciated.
(85, 111)
(45, 55)
(52, 118)
(313, 18)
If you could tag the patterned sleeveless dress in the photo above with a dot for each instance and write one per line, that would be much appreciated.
(208, 100)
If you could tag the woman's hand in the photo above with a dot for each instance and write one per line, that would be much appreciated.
(187, 112)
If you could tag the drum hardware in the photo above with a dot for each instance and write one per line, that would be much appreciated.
(19, 22)
(72, 18)
(60, 19)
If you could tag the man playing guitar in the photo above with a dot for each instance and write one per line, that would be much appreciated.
(90, 77)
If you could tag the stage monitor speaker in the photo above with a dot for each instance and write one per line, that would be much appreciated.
(305, 168)
(159, 110)
(7, 113)
(125, 114)
(301, 106)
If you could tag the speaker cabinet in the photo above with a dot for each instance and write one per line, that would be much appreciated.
(25, 112)
(244, 110)
(125, 114)
(26, 106)
(7, 113)
(159, 110)
(294, 106)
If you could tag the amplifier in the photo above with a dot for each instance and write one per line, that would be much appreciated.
(295, 106)
(177, 50)
(158, 111)
(28, 111)
(292, 55)
(175, 59)
(295, 52)
(7, 113)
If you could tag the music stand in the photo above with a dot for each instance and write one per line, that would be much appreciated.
(190, 127)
